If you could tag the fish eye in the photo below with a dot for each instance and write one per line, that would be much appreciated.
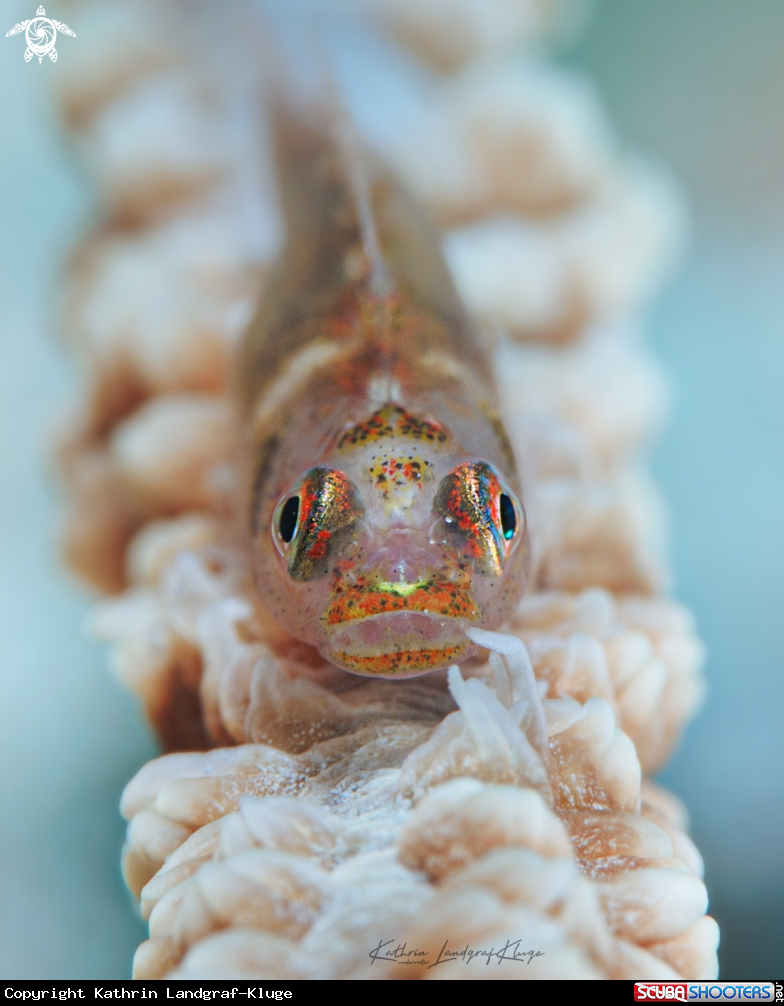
(287, 522)
(312, 519)
(508, 516)
(480, 516)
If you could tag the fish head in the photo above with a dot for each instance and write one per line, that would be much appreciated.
(388, 551)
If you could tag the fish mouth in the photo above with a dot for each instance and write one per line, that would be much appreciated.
(400, 642)
(399, 630)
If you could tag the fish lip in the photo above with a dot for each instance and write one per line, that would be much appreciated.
(398, 643)
(435, 598)
(402, 663)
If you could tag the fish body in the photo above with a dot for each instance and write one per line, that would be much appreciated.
(383, 503)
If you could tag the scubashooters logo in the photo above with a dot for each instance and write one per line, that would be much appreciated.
(703, 991)
(40, 33)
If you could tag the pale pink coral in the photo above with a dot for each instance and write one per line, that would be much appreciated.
(473, 850)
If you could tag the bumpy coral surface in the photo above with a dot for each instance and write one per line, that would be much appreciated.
(493, 823)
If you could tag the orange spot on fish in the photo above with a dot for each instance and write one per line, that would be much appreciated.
(319, 547)
(449, 599)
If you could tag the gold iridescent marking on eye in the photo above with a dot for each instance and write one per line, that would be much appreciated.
(469, 501)
(328, 508)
